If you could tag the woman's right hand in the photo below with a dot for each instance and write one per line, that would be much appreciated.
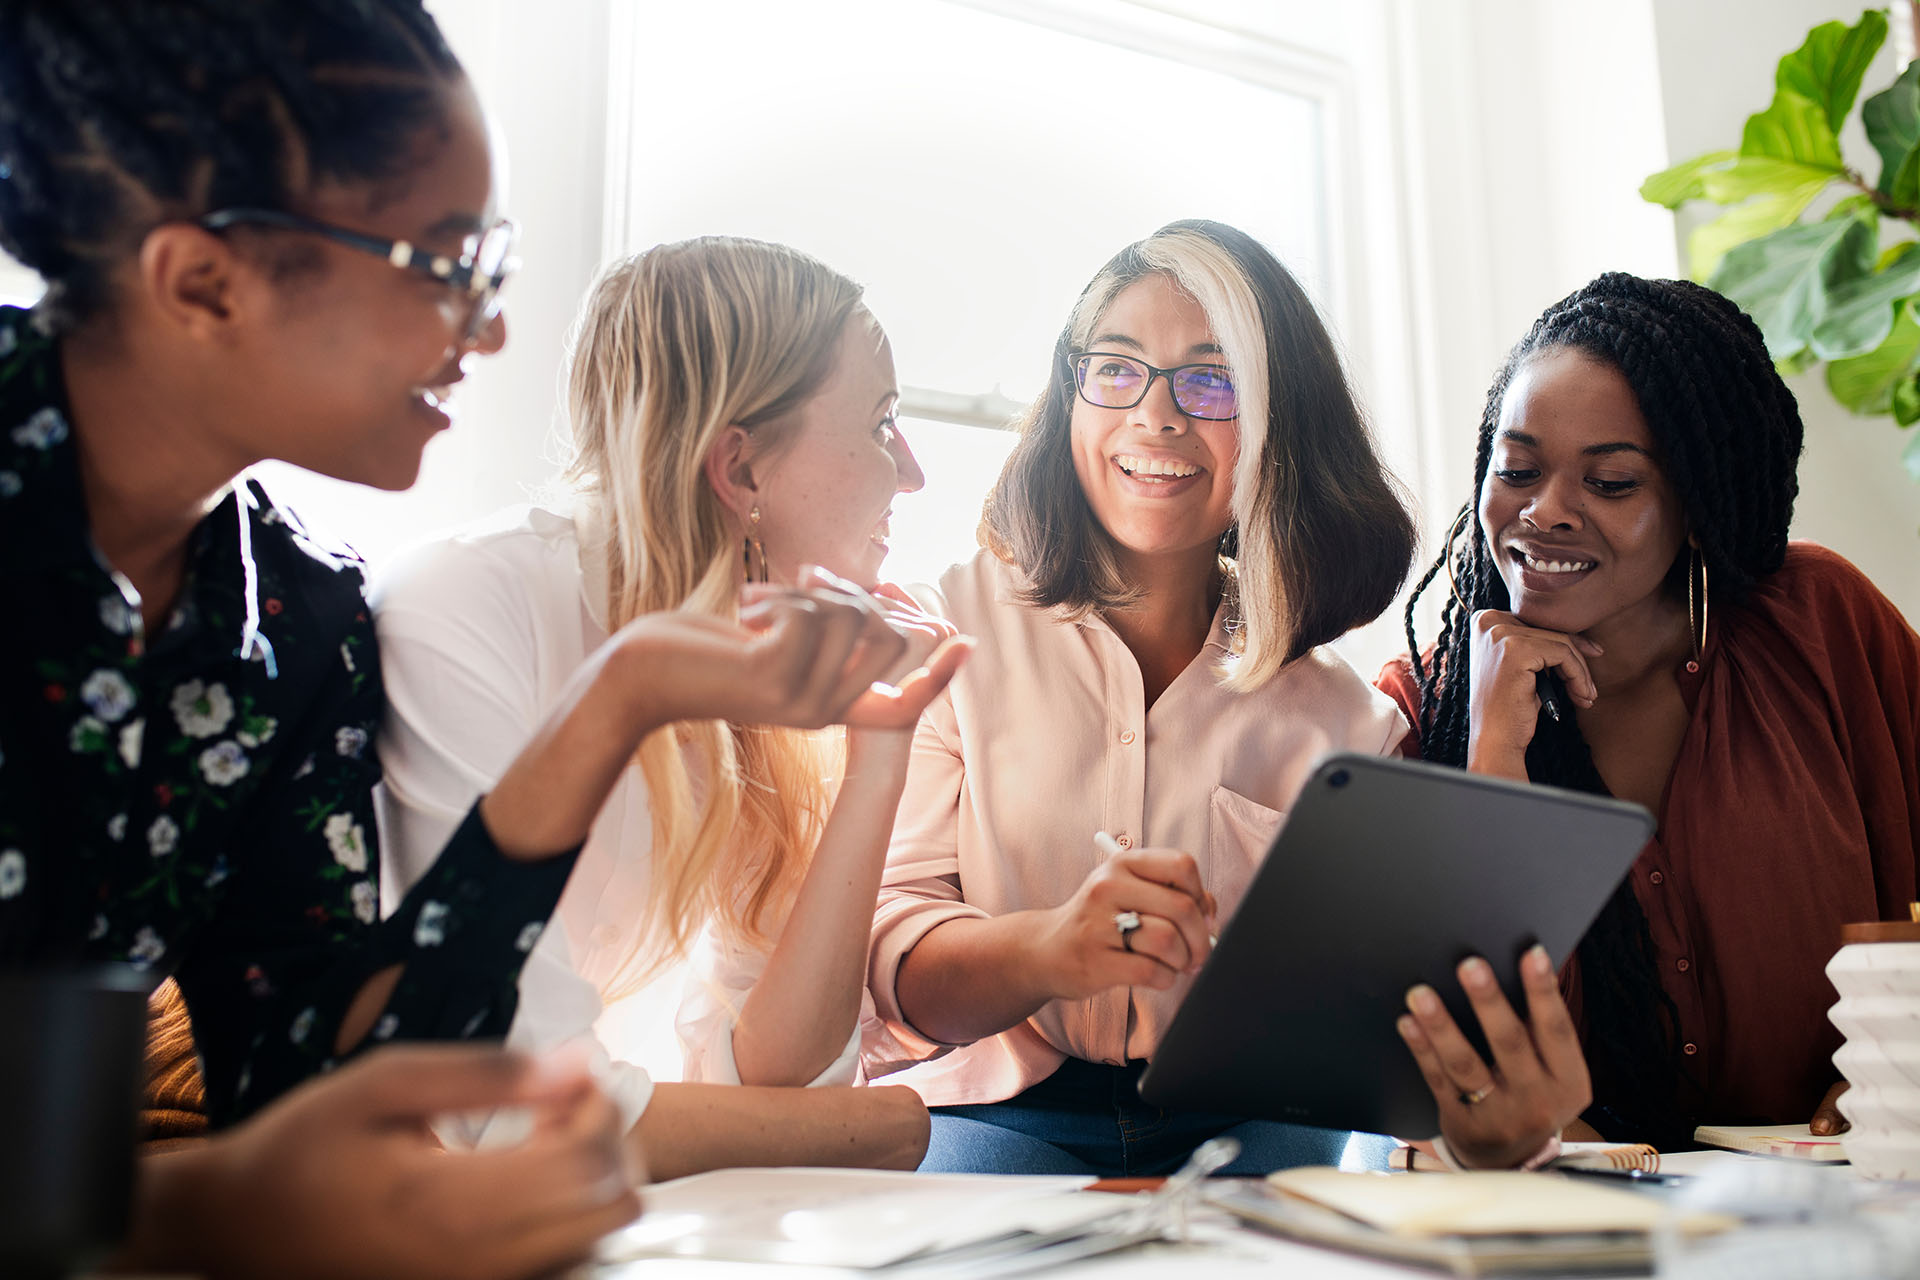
(1507, 655)
(1081, 951)
(804, 657)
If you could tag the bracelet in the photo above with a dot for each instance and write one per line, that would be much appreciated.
(1549, 1152)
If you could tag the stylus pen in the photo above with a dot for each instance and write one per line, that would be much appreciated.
(1547, 685)
(1647, 1176)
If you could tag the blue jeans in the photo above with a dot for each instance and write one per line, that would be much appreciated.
(1089, 1118)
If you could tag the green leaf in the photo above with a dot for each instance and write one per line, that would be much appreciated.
(1783, 280)
(1709, 243)
(1906, 401)
(1911, 456)
(1683, 182)
(1793, 128)
(1828, 68)
(1894, 252)
(1761, 176)
(1892, 118)
(1865, 383)
(1799, 362)
(1860, 312)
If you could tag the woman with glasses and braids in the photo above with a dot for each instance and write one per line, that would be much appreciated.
(731, 408)
(267, 231)
(1626, 557)
(1194, 510)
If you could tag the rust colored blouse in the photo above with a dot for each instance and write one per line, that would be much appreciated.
(1793, 808)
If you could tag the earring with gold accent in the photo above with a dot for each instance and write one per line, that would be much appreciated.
(754, 553)
(1697, 608)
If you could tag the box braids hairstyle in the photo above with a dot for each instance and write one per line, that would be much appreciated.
(1729, 436)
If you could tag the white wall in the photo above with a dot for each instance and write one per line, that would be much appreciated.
(1855, 495)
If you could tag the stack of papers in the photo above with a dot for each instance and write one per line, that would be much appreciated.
(911, 1224)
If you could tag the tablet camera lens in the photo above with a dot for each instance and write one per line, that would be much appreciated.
(1338, 778)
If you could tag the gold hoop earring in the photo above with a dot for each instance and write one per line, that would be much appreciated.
(754, 553)
(1446, 557)
(1697, 611)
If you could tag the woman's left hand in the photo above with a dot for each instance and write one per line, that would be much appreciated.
(1827, 1119)
(1496, 1116)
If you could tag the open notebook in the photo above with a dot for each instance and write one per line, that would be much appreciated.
(1471, 1224)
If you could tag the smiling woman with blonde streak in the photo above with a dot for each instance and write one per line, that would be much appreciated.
(1194, 509)
(731, 405)
(1634, 484)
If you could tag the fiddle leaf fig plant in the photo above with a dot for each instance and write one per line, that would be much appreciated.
(1835, 281)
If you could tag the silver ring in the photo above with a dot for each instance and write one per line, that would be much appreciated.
(1126, 922)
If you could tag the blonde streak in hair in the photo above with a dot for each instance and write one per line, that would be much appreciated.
(1214, 279)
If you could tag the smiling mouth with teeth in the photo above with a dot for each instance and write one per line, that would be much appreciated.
(1539, 565)
(1154, 468)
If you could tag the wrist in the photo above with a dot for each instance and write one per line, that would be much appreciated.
(641, 673)
(1538, 1157)
(1497, 760)
(880, 753)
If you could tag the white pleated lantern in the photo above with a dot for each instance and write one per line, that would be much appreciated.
(1877, 973)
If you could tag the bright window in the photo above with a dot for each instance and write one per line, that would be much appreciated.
(971, 169)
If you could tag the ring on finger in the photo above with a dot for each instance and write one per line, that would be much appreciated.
(1126, 922)
(1472, 1097)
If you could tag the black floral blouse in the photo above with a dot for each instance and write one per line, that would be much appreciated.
(199, 802)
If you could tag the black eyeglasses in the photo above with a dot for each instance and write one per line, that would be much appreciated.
(1113, 381)
(478, 272)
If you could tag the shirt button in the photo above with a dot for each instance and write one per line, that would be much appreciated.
(1683, 964)
(1126, 738)
(1125, 842)
(1658, 877)
(1689, 1048)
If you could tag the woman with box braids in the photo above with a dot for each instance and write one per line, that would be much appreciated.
(1635, 474)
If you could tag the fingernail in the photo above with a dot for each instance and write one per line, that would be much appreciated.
(1476, 972)
(1406, 1026)
(1538, 958)
(1421, 999)
(1821, 1125)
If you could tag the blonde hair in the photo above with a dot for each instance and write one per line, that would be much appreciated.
(672, 347)
(1321, 539)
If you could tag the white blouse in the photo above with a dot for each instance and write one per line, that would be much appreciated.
(479, 633)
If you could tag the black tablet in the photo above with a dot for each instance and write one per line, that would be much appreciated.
(1386, 873)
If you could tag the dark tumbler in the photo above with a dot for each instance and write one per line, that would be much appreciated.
(71, 1062)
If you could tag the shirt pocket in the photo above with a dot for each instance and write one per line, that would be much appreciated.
(1239, 832)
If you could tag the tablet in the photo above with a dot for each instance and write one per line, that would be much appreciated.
(1386, 873)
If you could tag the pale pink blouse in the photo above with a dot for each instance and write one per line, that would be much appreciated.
(1044, 738)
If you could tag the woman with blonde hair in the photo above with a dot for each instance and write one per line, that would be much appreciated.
(732, 414)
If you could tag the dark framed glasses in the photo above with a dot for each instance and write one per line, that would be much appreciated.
(1114, 381)
(478, 272)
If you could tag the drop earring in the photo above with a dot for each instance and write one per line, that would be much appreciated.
(754, 552)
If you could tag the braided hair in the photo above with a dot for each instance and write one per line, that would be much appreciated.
(1728, 432)
(119, 115)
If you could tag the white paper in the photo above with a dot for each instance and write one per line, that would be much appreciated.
(847, 1217)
